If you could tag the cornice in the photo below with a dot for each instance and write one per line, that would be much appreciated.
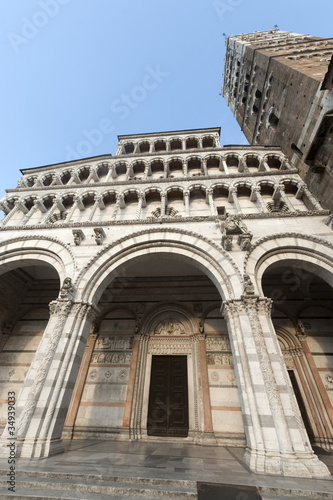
(167, 220)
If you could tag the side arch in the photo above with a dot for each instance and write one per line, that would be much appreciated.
(302, 251)
(29, 250)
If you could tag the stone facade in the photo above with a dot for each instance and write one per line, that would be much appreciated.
(175, 246)
(279, 86)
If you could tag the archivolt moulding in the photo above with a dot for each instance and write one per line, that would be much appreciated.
(161, 239)
(310, 250)
(60, 256)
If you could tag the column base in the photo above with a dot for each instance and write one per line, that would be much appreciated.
(296, 464)
(39, 448)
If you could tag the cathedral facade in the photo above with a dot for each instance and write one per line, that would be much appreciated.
(176, 291)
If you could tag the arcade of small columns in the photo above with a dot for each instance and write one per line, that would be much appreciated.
(261, 197)
(160, 167)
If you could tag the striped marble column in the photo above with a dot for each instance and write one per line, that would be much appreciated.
(277, 442)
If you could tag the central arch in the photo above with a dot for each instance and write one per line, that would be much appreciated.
(159, 323)
(202, 253)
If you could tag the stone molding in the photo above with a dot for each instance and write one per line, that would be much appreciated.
(36, 248)
(165, 220)
(282, 249)
(160, 243)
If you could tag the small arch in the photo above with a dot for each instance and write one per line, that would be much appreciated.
(30, 181)
(102, 170)
(153, 203)
(29, 202)
(267, 188)
(157, 169)
(84, 173)
(194, 166)
(139, 168)
(160, 146)
(175, 167)
(274, 162)
(48, 201)
(121, 170)
(109, 198)
(176, 144)
(252, 162)
(65, 177)
(208, 142)
(128, 148)
(88, 199)
(47, 180)
(191, 143)
(232, 162)
(144, 147)
(68, 201)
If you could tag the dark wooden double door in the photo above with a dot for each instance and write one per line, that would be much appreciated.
(168, 397)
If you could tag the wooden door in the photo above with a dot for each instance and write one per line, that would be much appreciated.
(168, 397)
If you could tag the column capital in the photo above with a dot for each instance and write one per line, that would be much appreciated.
(60, 307)
(245, 303)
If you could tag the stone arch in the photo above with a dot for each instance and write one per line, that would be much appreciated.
(201, 252)
(161, 312)
(29, 250)
(304, 252)
(83, 173)
(102, 169)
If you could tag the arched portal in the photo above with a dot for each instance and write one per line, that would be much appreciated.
(159, 363)
(25, 293)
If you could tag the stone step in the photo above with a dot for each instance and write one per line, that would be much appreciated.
(54, 495)
(69, 486)
(281, 494)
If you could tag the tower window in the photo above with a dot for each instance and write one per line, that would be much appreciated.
(296, 150)
(273, 120)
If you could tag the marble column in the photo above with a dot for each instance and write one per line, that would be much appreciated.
(16, 208)
(277, 442)
(163, 203)
(212, 208)
(187, 203)
(45, 396)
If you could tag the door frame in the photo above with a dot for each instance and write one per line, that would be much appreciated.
(169, 391)
(149, 346)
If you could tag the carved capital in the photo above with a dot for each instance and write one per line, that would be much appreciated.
(60, 307)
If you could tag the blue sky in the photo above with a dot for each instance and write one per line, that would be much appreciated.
(76, 73)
